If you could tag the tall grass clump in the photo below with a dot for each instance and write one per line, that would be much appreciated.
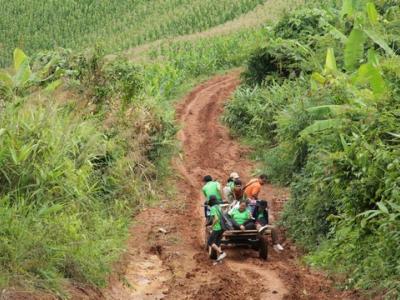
(56, 224)
(332, 134)
(82, 148)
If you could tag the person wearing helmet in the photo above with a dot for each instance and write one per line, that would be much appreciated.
(230, 184)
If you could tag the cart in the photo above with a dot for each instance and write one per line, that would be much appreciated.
(243, 238)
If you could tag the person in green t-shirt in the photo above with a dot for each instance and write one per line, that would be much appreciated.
(241, 217)
(211, 188)
(214, 241)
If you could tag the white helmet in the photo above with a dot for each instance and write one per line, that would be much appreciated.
(234, 175)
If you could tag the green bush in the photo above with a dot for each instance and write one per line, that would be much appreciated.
(279, 60)
(336, 142)
(54, 223)
(303, 25)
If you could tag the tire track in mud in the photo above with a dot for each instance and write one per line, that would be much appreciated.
(166, 257)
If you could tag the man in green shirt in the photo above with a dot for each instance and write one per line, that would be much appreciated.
(214, 241)
(211, 188)
(241, 217)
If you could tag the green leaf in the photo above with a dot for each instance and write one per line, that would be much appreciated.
(382, 207)
(330, 62)
(53, 86)
(23, 75)
(318, 78)
(377, 39)
(396, 135)
(373, 58)
(49, 210)
(395, 206)
(354, 49)
(324, 111)
(337, 34)
(19, 58)
(321, 126)
(347, 8)
(367, 73)
(372, 13)
(6, 79)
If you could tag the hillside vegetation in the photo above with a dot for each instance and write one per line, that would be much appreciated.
(321, 105)
(42, 25)
(86, 138)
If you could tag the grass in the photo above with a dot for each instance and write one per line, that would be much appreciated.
(36, 25)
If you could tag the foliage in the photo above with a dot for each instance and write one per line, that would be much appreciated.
(174, 63)
(280, 59)
(55, 222)
(72, 175)
(42, 25)
(303, 25)
(336, 139)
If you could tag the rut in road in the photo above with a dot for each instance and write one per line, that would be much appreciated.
(166, 257)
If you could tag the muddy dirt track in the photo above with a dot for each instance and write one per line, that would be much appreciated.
(166, 257)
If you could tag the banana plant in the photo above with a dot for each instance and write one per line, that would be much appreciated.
(21, 79)
(366, 27)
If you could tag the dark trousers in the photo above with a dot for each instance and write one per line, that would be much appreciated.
(248, 225)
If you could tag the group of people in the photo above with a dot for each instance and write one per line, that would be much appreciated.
(245, 212)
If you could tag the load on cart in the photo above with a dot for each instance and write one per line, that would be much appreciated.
(239, 220)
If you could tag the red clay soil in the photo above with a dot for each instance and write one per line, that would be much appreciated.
(166, 258)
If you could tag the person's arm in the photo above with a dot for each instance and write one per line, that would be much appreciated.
(204, 193)
(215, 220)
(219, 190)
(255, 191)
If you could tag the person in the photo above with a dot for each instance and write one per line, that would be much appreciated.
(214, 241)
(241, 217)
(210, 188)
(237, 192)
(260, 214)
(229, 186)
(253, 188)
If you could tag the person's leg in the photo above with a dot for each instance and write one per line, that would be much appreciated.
(221, 254)
(249, 225)
(214, 241)
(234, 223)
(275, 239)
(274, 234)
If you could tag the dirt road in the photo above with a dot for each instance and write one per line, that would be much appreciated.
(166, 257)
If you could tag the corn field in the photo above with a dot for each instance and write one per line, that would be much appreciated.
(40, 25)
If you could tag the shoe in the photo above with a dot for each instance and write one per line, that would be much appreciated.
(278, 248)
(262, 228)
(221, 256)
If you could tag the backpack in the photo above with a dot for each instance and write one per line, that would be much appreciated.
(226, 223)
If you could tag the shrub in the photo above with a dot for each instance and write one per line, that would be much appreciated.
(303, 25)
(279, 60)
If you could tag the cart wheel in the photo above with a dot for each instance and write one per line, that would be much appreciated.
(263, 248)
